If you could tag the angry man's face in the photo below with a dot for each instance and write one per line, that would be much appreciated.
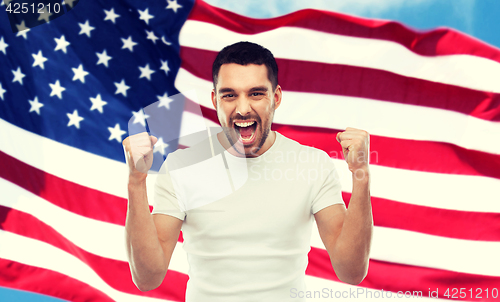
(245, 104)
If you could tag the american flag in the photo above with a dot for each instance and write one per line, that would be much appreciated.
(69, 88)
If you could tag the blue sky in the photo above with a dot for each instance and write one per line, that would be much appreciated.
(478, 18)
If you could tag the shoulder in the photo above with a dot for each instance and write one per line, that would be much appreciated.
(289, 145)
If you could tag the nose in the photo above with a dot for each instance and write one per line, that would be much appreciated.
(243, 106)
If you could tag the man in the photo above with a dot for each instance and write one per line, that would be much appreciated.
(249, 243)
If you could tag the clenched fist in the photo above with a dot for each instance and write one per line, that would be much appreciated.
(139, 154)
(356, 148)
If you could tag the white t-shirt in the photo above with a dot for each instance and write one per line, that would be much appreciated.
(247, 221)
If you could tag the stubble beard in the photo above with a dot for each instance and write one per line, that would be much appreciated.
(228, 131)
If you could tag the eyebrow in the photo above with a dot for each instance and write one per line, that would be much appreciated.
(259, 88)
(225, 90)
(253, 89)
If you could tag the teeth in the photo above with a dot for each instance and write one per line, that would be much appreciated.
(244, 124)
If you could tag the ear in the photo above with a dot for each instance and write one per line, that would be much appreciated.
(214, 99)
(278, 94)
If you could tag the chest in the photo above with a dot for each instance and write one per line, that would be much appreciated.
(270, 210)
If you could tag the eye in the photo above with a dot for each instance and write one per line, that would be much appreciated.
(257, 95)
(227, 96)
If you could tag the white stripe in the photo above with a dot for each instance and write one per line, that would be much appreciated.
(194, 129)
(309, 45)
(389, 119)
(338, 291)
(64, 161)
(97, 237)
(40, 254)
(412, 248)
(377, 117)
(179, 262)
(445, 191)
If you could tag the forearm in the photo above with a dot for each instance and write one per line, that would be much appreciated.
(146, 259)
(352, 248)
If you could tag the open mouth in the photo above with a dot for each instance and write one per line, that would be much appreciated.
(247, 131)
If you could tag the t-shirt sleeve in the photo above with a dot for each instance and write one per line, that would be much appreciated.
(330, 192)
(165, 200)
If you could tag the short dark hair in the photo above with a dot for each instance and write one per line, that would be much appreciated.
(244, 53)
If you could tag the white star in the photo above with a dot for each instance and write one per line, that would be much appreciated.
(146, 72)
(69, 3)
(22, 30)
(164, 67)
(110, 15)
(61, 44)
(4, 46)
(44, 15)
(74, 119)
(160, 146)
(97, 103)
(128, 43)
(2, 91)
(116, 133)
(35, 105)
(85, 28)
(144, 15)
(18, 76)
(122, 88)
(140, 117)
(173, 5)
(164, 101)
(57, 89)
(103, 58)
(39, 59)
(151, 36)
(79, 74)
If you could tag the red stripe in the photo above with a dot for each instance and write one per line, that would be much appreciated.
(38, 280)
(398, 277)
(363, 82)
(437, 42)
(433, 221)
(63, 193)
(425, 156)
(115, 273)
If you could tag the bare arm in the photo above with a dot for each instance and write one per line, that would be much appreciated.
(150, 240)
(347, 233)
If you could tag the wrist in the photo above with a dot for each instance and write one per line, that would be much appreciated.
(135, 180)
(361, 175)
